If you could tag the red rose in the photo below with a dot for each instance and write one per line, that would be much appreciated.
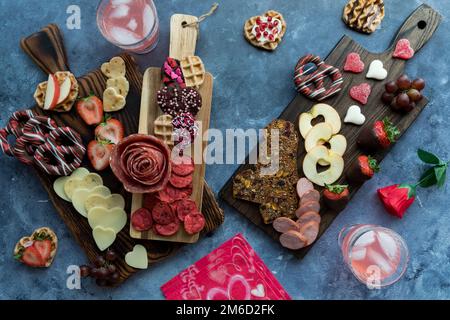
(397, 198)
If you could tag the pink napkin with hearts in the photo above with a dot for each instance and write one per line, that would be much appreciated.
(233, 271)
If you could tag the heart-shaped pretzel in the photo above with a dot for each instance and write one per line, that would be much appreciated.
(62, 152)
(311, 83)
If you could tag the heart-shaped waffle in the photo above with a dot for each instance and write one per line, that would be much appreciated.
(265, 31)
(38, 249)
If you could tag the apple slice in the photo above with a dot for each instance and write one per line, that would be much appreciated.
(52, 93)
(338, 144)
(318, 135)
(329, 176)
(328, 112)
(64, 90)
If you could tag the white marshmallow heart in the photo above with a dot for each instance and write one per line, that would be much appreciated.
(376, 70)
(354, 115)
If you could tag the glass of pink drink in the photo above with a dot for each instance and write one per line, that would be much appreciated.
(377, 256)
(132, 25)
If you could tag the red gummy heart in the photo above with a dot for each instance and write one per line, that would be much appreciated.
(403, 50)
(361, 93)
(353, 63)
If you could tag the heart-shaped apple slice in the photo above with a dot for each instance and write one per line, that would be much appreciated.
(329, 114)
(328, 176)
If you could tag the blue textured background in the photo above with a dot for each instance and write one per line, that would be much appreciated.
(251, 88)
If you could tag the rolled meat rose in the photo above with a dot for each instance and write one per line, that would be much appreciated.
(142, 163)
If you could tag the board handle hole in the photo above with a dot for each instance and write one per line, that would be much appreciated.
(422, 24)
(183, 24)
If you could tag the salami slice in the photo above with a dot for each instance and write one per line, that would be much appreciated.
(170, 193)
(185, 207)
(309, 231)
(180, 182)
(311, 195)
(303, 186)
(308, 206)
(182, 166)
(162, 213)
(293, 240)
(141, 219)
(283, 224)
(194, 223)
(149, 201)
(307, 217)
(167, 229)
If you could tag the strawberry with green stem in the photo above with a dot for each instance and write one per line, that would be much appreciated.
(363, 169)
(381, 135)
(336, 197)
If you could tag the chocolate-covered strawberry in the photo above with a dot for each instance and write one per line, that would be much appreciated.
(380, 135)
(336, 197)
(363, 169)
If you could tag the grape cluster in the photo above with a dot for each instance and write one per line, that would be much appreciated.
(104, 271)
(403, 94)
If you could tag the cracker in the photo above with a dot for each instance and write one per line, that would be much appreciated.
(120, 84)
(114, 68)
(112, 100)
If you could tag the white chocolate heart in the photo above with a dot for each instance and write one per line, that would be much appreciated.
(137, 258)
(80, 196)
(114, 68)
(103, 237)
(58, 185)
(115, 218)
(354, 115)
(376, 70)
(108, 202)
(112, 100)
(89, 181)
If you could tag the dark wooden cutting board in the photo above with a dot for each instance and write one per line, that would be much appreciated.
(46, 48)
(418, 29)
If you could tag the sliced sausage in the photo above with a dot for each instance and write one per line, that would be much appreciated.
(308, 206)
(283, 224)
(293, 240)
(303, 186)
(309, 231)
(311, 195)
(307, 217)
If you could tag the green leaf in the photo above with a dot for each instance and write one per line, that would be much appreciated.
(337, 188)
(428, 179)
(440, 173)
(428, 157)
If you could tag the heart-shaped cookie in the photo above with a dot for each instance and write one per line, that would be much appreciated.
(353, 63)
(37, 250)
(265, 31)
(137, 258)
(112, 100)
(354, 115)
(403, 50)
(120, 84)
(103, 237)
(81, 194)
(376, 70)
(108, 202)
(115, 218)
(114, 68)
(361, 92)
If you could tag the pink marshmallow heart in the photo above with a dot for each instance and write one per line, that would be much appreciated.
(361, 92)
(403, 50)
(353, 63)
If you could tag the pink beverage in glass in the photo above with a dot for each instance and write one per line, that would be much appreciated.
(132, 25)
(377, 256)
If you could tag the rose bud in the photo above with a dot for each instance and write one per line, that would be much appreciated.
(381, 135)
(397, 198)
(336, 197)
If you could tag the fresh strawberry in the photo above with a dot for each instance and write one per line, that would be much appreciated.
(90, 109)
(31, 257)
(99, 153)
(336, 197)
(111, 130)
(44, 248)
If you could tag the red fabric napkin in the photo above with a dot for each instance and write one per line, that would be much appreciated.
(231, 272)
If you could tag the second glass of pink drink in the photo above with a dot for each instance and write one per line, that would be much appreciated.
(132, 25)
(377, 256)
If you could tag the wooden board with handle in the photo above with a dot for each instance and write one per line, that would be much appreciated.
(182, 43)
(418, 28)
(46, 48)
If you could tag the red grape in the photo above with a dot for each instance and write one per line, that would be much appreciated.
(114, 277)
(99, 261)
(391, 87)
(112, 268)
(110, 255)
(85, 271)
(387, 97)
(394, 105)
(94, 272)
(403, 82)
(403, 100)
(103, 273)
(414, 95)
(418, 84)
(102, 282)
(410, 106)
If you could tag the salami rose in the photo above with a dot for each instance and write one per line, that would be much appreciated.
(141, 163)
